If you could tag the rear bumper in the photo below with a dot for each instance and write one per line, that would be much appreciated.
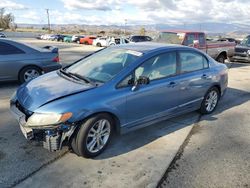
(50, 68)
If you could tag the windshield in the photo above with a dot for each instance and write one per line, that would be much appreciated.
(170, 38)
(104, 65)
(245, 41)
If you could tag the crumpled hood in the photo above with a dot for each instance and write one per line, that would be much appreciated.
(46, 88)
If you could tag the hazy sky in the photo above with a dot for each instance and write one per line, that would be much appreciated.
(135, 11)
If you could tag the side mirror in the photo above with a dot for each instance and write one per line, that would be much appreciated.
(142, 80)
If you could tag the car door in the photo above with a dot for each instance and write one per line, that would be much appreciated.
(9, 58)
(194, 78)
(156, 99)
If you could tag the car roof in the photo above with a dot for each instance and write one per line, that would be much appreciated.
(25, 47)
(147, 47)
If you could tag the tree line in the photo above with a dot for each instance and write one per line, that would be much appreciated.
(6, 19)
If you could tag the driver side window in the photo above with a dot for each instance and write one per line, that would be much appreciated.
(161, 66)
(158, 67)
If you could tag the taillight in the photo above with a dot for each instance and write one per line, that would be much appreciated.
(55, 59)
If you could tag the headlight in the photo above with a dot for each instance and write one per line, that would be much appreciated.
(42, 119)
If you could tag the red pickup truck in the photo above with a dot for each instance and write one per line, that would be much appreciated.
(220, 51)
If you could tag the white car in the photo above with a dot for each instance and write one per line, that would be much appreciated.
(45, 36)
(76, 38)
(100, 42)
(117, 41)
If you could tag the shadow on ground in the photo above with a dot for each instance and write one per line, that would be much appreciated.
(131, 141)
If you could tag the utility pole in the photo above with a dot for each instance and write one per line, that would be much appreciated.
(125, 23)
(47, 10)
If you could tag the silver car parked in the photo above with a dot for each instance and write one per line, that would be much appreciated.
(22, 62)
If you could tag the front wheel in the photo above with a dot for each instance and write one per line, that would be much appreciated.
(94, 135)
(210, 101)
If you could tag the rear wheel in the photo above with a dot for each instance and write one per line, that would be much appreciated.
(210, 101)
(94, 135)
(221, 58)
(29, 73)
(99, 44)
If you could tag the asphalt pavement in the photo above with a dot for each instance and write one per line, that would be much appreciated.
(217, 154)
(188, 151)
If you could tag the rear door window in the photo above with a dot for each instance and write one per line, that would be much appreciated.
(8, 49)
(192, 61)
(160, 66)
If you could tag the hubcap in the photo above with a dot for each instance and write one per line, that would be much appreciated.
(98, 135)
(211, 101)
(31, 74)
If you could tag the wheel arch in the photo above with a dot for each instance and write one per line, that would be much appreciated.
(218, 87)
(224, 53)
(111, 114)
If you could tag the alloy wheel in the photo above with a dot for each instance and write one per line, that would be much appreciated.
(98, 135)
(31, 74)
(211, 101)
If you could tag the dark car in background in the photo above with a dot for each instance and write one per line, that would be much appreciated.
(139, 38)
(19, 61)
(229, 40)
(242, 51)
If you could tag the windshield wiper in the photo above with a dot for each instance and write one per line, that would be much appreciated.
(78, 76)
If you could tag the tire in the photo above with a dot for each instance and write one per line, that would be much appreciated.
(211, 93)
(99, 44)
(85, 138)
(28, 73)
(86, 43)
(72, 142)
(221, 58)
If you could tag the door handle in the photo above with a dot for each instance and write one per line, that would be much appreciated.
(172, 84)
(204, 76)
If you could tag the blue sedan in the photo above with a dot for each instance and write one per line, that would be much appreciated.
(117, 89)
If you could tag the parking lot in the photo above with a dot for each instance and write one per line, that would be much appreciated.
(140, 158)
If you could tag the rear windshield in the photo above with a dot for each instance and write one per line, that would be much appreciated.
(170, 37)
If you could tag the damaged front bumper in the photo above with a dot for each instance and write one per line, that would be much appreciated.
(52, 137)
